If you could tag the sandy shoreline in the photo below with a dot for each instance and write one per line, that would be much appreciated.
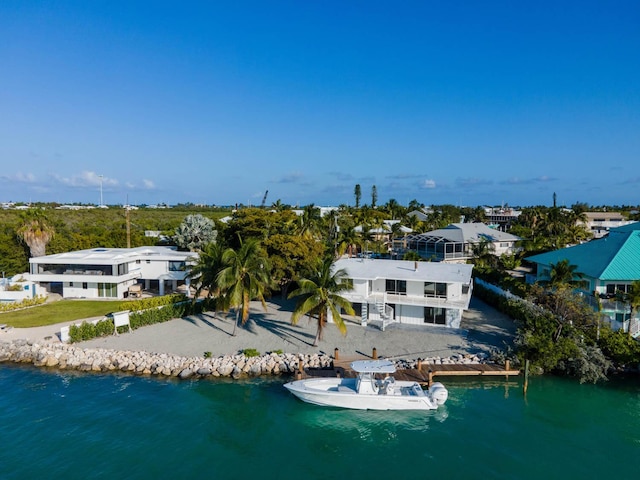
(482, 329)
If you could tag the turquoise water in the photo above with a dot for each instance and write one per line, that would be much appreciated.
(55, 425)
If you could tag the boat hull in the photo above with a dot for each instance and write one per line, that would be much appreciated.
(341, 393)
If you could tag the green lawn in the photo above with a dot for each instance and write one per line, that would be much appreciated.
(61, 311)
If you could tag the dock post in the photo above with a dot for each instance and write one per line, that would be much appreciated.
(374, 354)
(300, 369)
(419, 367)
(507, 364)
(336, 354)
(430, 378)
(525, 385)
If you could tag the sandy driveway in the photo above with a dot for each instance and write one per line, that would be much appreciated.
(482, 329)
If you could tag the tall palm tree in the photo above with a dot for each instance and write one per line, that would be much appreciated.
(309, 221)
(36, 232)
(204, 274)
(245, 277)
(320, 297)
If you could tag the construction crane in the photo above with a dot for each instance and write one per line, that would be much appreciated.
(264, 199)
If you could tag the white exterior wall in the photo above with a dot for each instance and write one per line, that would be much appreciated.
(153, 269)
(92, 291)
(508, 249)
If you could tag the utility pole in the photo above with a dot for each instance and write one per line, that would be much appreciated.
(101, 189)
(128, 222)
(128, 229)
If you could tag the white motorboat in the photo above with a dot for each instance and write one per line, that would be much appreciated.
(373, 389)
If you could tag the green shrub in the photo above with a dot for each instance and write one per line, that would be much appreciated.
(87, 330)
(251, 352)
(27, 302)
(207, 354)
(140, 318)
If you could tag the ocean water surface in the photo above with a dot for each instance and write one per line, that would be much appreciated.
(72, 425)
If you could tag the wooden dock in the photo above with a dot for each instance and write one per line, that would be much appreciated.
(424, 375)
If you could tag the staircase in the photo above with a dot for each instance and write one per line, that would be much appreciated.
(385, 312)
(364, 314)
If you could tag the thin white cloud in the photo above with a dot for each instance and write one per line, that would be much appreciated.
(148, 184)
(20, 177)
(85, 179)
(428, 183)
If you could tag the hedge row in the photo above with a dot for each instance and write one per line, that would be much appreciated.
(163, 312)
(27, 302)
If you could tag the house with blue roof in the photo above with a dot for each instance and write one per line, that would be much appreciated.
(607, 266)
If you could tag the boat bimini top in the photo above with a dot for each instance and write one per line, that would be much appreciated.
(373, 366)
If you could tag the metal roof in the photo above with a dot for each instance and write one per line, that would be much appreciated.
(614, 257)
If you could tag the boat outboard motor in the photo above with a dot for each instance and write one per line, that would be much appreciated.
(438, 393)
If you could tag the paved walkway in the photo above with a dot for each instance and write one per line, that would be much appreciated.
(482, 329)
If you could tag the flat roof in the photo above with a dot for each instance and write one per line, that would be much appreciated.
(108, 256)
(371, 269)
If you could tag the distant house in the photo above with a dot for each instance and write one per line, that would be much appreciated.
(109, 272)
(502, 218)
(600, 223)
(607, 265)
(455, 242)
(415, 293)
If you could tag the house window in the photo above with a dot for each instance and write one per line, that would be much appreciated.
(614, 288)
(148, 262)
(398, 287)
(138, 262)
(123, 269)
(176, 266)
(84, 285)
(108, 290)
(435, 315)
(434, 289)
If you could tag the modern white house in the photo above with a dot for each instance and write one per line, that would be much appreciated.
(109, 272)
(406, 292)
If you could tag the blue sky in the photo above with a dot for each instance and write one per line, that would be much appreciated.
(466, 102)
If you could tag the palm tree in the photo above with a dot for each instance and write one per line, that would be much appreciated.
(245, 277)
(563, 273)
(309, 221)
(320, 297)
(35, 232)
(204, 274)
(348, 241)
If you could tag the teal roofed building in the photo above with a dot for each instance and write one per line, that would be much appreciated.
(608, 265)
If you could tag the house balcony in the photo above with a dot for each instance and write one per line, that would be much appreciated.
(83, 276)
(461, 302)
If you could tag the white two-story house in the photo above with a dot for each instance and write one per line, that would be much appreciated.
(416, 293)
(109, 272)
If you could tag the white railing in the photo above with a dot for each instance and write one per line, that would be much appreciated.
(459, 302)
